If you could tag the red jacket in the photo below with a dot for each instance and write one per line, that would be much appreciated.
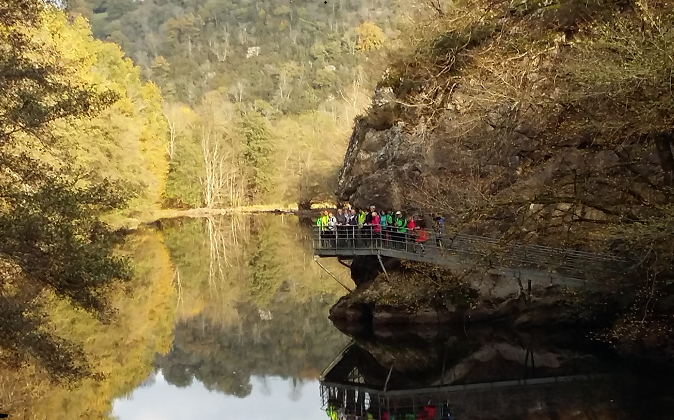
(422, 235)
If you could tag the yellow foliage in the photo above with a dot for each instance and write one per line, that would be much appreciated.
(370, 37)
(122, 351)
(310, 149)
(127, 141)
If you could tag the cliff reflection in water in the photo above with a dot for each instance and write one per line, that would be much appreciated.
(490, 374)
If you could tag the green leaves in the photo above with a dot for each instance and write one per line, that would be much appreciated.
(257, 152)
(62, 92)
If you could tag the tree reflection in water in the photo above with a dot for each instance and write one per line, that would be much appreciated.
(252, 302)
(216, 299)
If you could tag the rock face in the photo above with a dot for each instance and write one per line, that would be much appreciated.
(404, 299)
(374, 166)
(538, 139)
(411, 167)
(524, 121)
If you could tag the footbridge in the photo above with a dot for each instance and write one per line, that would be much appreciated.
(465, 253)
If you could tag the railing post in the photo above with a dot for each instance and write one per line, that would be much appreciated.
(407, 237)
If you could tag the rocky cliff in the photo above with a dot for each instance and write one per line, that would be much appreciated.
(548, 120)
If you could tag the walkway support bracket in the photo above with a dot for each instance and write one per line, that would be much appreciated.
(332, 275)
(341, 261)
(382, 265)
(387, 379)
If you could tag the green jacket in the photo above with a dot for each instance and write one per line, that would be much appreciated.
(401, 224)
(322, 222)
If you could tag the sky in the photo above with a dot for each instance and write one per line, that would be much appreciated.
(163, 401)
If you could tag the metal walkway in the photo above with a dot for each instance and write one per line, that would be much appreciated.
(466, 253)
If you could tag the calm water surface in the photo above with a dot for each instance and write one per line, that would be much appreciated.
(271, 397)
(251, 333)
(251, 338)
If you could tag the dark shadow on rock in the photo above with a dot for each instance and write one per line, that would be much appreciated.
(365, 269)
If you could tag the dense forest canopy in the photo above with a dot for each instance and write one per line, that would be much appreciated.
(260, 95)
(279, 56)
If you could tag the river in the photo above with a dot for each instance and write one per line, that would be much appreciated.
(251, 334)
(227, 318)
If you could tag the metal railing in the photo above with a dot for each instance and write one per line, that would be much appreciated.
(432, 246)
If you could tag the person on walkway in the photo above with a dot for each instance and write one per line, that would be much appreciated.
(361, 222)
(390, 226)
(323, 232)
(319, 230)
(367, 227)
(332, 228)
(352, 221)
(376, 229)
(361, 217)
(331, 411)
(439, 227)
(383, 232)
(426, 413)
(445, 413)
(368, 215)
(421, 237)
(401, 226)
(341, 228)
(411, 233)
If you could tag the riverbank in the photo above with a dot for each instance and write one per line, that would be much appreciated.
(131, 220)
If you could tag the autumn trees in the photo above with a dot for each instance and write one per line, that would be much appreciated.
(80, 136)
(269, 63)
(370, 37)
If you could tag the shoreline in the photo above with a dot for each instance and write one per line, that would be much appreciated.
(118, 222)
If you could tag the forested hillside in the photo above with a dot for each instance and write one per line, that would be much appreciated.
(260, 94)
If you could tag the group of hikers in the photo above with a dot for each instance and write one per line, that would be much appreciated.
(369, 228)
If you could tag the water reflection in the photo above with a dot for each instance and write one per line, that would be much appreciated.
(270, 397)
(484, 373)
(230, 311)
(251, 331)
(227, 318)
